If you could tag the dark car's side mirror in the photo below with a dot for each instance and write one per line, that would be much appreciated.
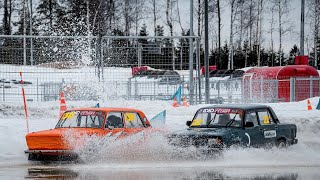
(188, 123)
(249, 124)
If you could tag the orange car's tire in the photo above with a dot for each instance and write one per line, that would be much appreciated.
(33, 157)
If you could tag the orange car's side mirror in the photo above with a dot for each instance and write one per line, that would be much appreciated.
(109, 127)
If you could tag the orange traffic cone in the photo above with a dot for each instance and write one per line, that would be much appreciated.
(63, 106)
(175, 103)
(185, 103)
(309, 105)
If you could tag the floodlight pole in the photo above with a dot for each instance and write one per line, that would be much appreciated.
(302, 29)
(24, 34)
(206, 51)
(31, 44)
(191, 54)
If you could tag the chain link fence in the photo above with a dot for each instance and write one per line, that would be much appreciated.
(93, 68)
(89, 68)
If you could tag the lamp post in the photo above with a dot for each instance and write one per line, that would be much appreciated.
(302, 29)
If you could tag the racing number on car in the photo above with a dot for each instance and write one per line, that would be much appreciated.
(266, 120)
(68, 115)
(129, 117)
(196, 122)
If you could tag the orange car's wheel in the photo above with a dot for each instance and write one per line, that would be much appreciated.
(33, 157)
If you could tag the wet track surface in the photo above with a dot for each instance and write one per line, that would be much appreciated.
(157, 160)
(141, 170)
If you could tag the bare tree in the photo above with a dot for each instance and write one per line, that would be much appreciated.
(179, 19)
(244, 26)
(169, 15)
(314, 21)
(234, 4)
(154, 10)
(241, 21)
(131, 14)
(7, 8)
(272, 29)
(127, 17)
(200, 13)
(285, 26)
(111, 19)
(139, 10)
(169, 22)
(259, 30)
(219, 34)
(251, 22)
(316, 31)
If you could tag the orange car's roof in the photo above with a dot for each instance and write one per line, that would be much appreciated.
(106, 109)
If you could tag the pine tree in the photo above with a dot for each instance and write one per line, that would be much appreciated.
(292, 54)
(224, 56)
(7, 12)
(159, 30)
(182, 52)
(77, 17)
(143, 45)
(49, 18)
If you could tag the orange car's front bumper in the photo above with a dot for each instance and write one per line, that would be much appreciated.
(50, 152)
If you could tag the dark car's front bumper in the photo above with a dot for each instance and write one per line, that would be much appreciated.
(203, 142)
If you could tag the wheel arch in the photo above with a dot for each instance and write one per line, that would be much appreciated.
(282, 138)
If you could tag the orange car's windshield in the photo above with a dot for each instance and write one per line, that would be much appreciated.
(83, 119)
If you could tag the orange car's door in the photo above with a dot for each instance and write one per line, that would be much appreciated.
(114, 125)
(133, 124)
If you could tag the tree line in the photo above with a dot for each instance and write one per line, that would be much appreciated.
(257, 29)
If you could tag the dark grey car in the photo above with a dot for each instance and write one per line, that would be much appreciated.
(222, 126)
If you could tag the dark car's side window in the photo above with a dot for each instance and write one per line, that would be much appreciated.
(133, 120)
(114, 119)
(264, 117)
(251, 116)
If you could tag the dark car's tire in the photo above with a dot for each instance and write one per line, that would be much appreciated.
(281, 143)
(236, 144)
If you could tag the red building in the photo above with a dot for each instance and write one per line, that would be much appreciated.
(276, 82)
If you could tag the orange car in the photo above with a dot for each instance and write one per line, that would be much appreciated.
(52, 144)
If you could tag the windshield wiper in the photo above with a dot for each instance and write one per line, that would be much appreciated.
(231, 121)
(211, 120)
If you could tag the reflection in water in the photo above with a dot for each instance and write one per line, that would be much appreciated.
(161, 173)
(218, 175)
(51, 173)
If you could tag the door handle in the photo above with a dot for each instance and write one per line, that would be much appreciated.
(276, 127)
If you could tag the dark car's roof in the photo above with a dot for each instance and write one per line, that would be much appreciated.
(239, 106)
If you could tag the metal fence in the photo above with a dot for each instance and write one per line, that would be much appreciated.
(101, 66)
(92, 68)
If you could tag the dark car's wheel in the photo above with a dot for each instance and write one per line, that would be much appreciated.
(281, 143)
(236, 144)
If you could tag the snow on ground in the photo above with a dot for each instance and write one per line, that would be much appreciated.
(114, 82)
(43, 115)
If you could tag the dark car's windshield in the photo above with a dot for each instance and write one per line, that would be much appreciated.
(82, 119)
(218, 117)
